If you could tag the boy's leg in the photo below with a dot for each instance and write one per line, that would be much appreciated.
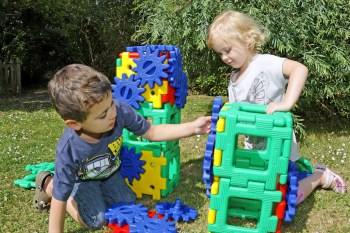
(86, 204)
(89, 196)
(114, 190)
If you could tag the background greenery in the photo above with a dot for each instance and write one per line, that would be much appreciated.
(30, 129)
(48, 34)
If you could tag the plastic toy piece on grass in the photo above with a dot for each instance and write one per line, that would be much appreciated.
(150, 68)
(117, 229)
(123, 213)
(28, 181)
(176, 211)
(131, 165)
(145, 224)
(127, 90)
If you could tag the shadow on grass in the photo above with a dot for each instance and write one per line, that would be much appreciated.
(29, 101)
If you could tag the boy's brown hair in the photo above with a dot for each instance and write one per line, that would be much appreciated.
(75, 89)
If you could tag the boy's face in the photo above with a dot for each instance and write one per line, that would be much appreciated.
(101, 117)
(236, 55)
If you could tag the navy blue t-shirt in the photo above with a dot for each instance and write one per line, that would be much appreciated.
(78, 160)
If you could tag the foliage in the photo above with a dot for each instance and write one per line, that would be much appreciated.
(315, 33)
(47, 35)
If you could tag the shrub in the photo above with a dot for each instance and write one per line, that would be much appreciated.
(315, 33)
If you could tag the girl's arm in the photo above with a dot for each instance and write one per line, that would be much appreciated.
(297, 75)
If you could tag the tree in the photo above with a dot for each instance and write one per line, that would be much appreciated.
(48, 34)
(315, 33)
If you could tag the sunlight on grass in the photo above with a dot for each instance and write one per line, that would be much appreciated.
(30, 129)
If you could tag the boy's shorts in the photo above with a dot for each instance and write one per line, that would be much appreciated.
(93, 197)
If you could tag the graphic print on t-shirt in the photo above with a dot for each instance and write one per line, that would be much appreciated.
(257, 91)
(102, 166)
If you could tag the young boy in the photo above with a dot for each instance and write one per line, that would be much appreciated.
(87, 179)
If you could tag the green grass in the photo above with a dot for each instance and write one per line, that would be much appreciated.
(30, 129)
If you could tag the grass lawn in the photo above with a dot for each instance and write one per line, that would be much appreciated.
(30, 129)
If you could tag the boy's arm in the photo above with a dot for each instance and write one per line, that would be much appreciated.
(57, 215)
(167, 132)
(297, 75)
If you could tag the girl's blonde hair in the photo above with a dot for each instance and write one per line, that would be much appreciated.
(233, 26)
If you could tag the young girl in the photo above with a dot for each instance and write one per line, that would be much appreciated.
(262, 79)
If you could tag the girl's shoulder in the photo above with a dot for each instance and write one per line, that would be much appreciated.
(268, 59)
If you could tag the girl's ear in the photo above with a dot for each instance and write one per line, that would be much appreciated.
(73, 124)
(248, 39)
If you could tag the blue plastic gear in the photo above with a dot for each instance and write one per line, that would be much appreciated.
(181, 93)
(210, 145)
(161, 47)
(217, 105)
(123, 213)
(131, 165)
(291, 198)
(150, 68)
(144, 224)
(128, 91)
(208, 163)
(175, 69)
(292, 194)
(176, 211)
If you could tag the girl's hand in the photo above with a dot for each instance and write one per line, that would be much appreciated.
(277, 106)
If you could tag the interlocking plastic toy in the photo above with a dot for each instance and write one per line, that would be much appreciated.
(294, 175)
(128, 90)
(245, 181)
(29, 180)
(131, 165)
(123, 213)
(150, 68)
(176, 211)
(151, 79)
(144, 224)
(131, 218)
(118, 229)
(210, 145)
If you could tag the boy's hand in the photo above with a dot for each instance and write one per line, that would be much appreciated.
(202, 125)
(277, 106)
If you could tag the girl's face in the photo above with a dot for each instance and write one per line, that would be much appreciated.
(236, 55)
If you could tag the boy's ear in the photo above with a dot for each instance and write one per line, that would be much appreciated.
(73, 124)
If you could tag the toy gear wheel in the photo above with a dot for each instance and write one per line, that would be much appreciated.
(123, 213)
(131, 165)
(150, 68)
(145, 224)
(181, 92)
(128, 91)
(176, 211)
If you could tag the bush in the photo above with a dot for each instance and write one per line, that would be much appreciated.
(315, 33)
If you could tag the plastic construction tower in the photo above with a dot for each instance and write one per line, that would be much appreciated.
(150, 78)
(247, 184)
